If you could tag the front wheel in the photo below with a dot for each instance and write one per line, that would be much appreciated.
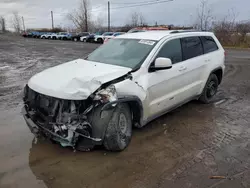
(119, 131)
(210, 89)
(99, 40)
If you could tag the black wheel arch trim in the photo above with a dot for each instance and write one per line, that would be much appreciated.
(135, 104)
(216, 69)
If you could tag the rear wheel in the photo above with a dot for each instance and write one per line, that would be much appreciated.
(119, 130)
(210, 89)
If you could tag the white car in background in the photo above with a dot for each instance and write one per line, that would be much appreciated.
(63, 36)
(100, 38)
(83, 36)
(53, 36)
(127, 82)
(107, 38)
(46, 36)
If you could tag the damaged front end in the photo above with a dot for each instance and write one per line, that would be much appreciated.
(69, 122)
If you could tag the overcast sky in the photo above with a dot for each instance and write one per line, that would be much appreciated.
(178, 12)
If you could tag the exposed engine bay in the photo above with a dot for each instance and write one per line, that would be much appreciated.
(68, 122)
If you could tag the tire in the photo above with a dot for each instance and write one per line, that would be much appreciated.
(43, 37)
(119, 131)
(210, 89)
(75, 39)
(99, 40)
(54, 38)
(84, 40)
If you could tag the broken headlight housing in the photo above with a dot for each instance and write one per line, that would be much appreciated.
(106, 95)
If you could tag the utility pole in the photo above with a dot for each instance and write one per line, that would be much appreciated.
(108, 16)
(23, 24)
(52, 19)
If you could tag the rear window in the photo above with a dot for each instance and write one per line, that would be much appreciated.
(191, 47)
(209, 44)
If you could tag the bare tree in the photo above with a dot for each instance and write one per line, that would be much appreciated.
(2, 24)
(97, 24)
(137, 19)
(225, 29)
(204, 16)
(81, 16)
(16, 21)
(242, 29)
(142, 20)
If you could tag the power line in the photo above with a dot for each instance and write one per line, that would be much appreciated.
(130, 3)
(143, 4)
(97, 7)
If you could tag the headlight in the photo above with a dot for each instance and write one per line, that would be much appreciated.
(107, 95)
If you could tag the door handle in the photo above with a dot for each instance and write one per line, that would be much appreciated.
(183, 69)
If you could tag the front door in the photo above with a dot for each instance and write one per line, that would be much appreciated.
(171, 87)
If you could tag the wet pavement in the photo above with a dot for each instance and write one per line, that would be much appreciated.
(181, 149)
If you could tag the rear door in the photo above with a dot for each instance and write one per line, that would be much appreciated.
(194, 65)
(214, 56)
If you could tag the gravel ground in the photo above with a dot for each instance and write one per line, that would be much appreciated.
(181, 149)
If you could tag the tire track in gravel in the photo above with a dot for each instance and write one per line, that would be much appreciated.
(220, 139)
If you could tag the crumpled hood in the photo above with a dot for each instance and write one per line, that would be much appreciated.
(75, 80)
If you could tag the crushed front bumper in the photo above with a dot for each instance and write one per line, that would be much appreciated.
(37, 129)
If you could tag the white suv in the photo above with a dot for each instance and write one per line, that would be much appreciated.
(131, 80)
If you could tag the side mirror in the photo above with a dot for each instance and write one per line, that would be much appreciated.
(161, 63)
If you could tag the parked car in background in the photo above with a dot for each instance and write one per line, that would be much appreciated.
(46, 35)
(127, 82)
(107, 38)
(63, 36)
(80, 36)
(39, 34)
(90, 38)
(25, 34)
(100, 38)
(29, 34)
(34, 34)
(53, 36)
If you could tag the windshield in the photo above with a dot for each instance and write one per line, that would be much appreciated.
(123, 52)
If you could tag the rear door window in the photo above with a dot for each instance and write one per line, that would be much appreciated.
(209, 44)
(191, 47)
(172, 50)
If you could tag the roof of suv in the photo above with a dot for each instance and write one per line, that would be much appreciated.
(158, 35)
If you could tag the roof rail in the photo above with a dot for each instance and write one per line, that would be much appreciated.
(182, 31)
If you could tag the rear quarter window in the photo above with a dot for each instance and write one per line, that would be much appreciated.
(209, 44)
